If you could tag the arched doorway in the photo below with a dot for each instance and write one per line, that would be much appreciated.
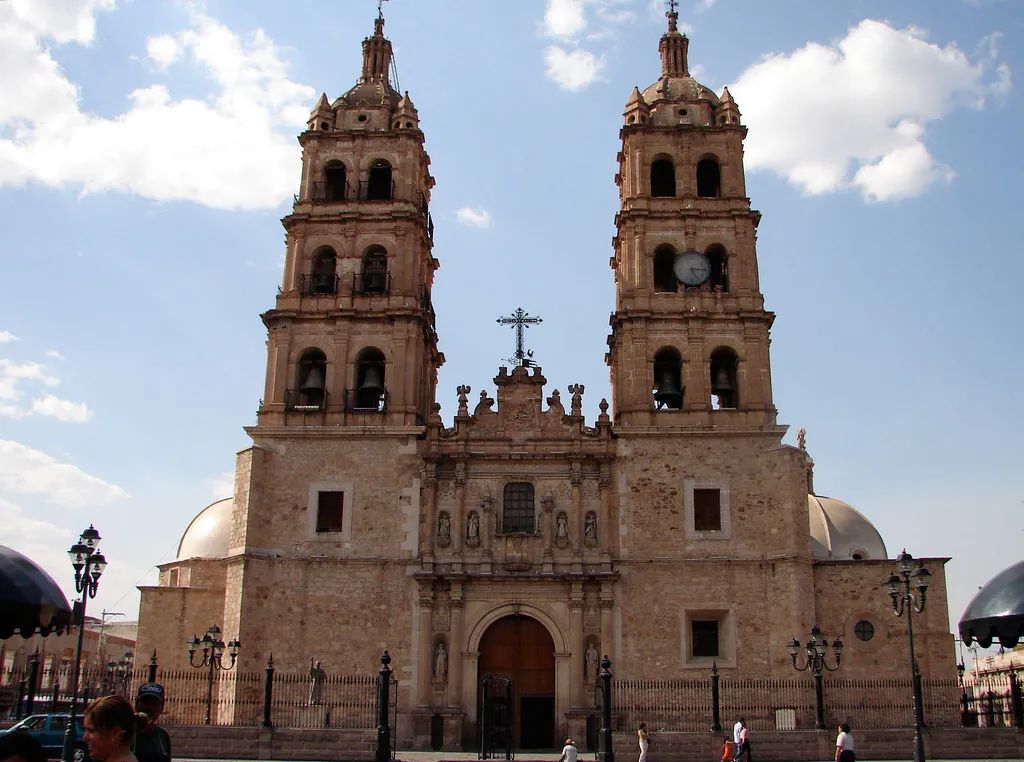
(521, 649)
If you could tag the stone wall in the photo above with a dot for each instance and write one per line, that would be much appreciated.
(218, 742)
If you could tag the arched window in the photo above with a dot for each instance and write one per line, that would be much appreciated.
(310, 392)
(663, 178)
(668, 387)
(324, 279)
(664, 276)
(724, 389)
(517, 508)
(709, 180)
(374, 277)
(335, 183)
(370, 393)
(379, 185)
(719, 261)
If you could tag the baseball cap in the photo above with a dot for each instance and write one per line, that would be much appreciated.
(151, 689)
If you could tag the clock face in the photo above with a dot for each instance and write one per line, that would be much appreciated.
(692, 268)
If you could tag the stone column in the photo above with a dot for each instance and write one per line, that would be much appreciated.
(425, 650)
(607, 604)
(456, 647)
(430, 511)
(576, 645)
(487, 519)
(459, 519)
(696, 395)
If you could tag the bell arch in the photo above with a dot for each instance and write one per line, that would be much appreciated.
(370, 392)
(668, 379)
(724, 367)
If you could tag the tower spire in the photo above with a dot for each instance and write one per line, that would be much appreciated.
(674, 46)
(377, 52)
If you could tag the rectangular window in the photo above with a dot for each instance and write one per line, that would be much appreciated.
(704, 637)
(517, 508)
(330, 509)
(707, 510)
(172, 578)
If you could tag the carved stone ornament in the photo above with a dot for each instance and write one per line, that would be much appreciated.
(591, 619)
(442, 617)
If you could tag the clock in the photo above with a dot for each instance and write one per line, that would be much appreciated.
(692, 268)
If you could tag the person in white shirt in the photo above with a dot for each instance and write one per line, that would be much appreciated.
(569, 753)
(844, 745)
(737, 732)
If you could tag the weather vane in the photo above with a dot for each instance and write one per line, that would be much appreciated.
(673, 15)
(380, 8)
(521, 320)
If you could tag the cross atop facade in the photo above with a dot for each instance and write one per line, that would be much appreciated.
(521, 320)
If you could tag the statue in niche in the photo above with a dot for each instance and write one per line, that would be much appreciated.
(441, 662)
(590, 528)
(317, 676)
(473, 528)
(444, 528)
(562, 530)
(590, 661)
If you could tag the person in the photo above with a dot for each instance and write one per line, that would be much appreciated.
(643, 739)
(737, 729)
(844, 745)
(743, 755)
(21, 747)
(728, 749)
(152, 743)
(110, 725)
(317, 675)
(569, 752)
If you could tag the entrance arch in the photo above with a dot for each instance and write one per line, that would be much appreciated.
(521, 649)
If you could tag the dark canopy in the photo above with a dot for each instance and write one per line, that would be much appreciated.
(30, 600)
(997, 611)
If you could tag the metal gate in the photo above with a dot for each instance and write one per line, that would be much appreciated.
(495, 718)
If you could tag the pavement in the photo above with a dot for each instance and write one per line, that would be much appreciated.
(531, 756)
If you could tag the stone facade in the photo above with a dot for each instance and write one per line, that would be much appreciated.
(671, 535)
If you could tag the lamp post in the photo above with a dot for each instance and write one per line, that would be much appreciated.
(89, 564)
(904, 599)
(212, 658)
(817, 648)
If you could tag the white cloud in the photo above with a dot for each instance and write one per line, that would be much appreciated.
(703, 5)
(62, 410)
(54, 354)
(853, 114)
(572, 70)
(206, 146)
(6, 337)
(222, 485)
(474, 218)
(26, 471)
(564, 18)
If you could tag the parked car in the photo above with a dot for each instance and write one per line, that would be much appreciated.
(49, 730)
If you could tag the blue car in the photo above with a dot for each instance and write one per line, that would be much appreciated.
(49, 730)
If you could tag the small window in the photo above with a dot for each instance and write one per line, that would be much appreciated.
(864, 630)
(665, 280)
(172, 578)
(704, 638)
(330, 511)
(663, 178)
(682, 112)
(708, 179)
(361, 117)
(707, 510)
(517, 508)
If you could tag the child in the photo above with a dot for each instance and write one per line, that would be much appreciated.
(728, 750)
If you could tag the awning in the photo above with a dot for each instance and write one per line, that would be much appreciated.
(997, 611)
(30, 601)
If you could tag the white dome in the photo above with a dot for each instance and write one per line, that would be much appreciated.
(209, 534)
(840, 532)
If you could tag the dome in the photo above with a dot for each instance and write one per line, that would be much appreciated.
(30, 600)
(209, 534)
(679, 90)
(997, 611)
(372, 93)
(840, 532)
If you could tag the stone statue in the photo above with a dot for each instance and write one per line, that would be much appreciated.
(463, 392)
(577, 399)
(562, 528)
(473, 527)
(801, 439)
(590, 660)
(444, 527)
(441, 662)
(590, 527)
(317, 675)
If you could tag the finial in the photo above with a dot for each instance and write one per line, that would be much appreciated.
(380, 9)
(801, 439)
(673, 16)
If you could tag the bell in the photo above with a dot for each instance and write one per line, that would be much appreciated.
(722, 383)
(668, 393)
(314, 380)
(372, 382)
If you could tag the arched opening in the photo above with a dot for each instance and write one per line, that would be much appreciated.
(374, 278)
(324, 279)
(517, 514)
(719, 261)
(724, 389)
(668, 387)
(370, 392)
(379, 185)
(663, 178)
(709, 179)
(521, 649)
(310, 392)
(335, 183)
(665, 279)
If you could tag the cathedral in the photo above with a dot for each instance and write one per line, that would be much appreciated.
(674, 533)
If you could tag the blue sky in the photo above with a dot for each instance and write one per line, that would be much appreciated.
(147, 154)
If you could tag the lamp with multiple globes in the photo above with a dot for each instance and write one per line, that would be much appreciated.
(815, 662)
(212, 657)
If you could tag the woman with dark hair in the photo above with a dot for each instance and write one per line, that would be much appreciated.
(844, 745)
(110, 723)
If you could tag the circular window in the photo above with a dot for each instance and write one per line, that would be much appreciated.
(408, 124)
(362, 117)
(632, 119)
(864, 630)
(682, 112)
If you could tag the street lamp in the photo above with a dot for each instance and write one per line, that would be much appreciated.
(89, 564)
(816, 649)
(120, 673)
(905, 600)
(212, 656)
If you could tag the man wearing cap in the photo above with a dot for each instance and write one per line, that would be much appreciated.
(152, 744)
(569, 753)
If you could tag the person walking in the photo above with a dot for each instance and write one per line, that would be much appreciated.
(844, 745)
(569, 752)
(737, 731)
(743, 755)
(642, 738)
(152, 743)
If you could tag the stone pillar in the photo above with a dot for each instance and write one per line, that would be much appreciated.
(604, 519)
(576, 646)
(487, 519)
(607, 604)
(696, 395)
(459, 519)
(456, 647)
(425, 651)
(430, 511)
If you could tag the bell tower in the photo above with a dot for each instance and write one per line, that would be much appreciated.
(689, 340)
(352, 337)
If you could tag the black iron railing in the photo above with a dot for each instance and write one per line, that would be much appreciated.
(325, 192)
(365, 401)
(305, 400)
(319, 284)
(371, 282)
(375, 190)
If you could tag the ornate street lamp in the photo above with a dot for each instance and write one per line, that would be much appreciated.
(212, 657)
(89, 564)
(815, 662)
(904, 599)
